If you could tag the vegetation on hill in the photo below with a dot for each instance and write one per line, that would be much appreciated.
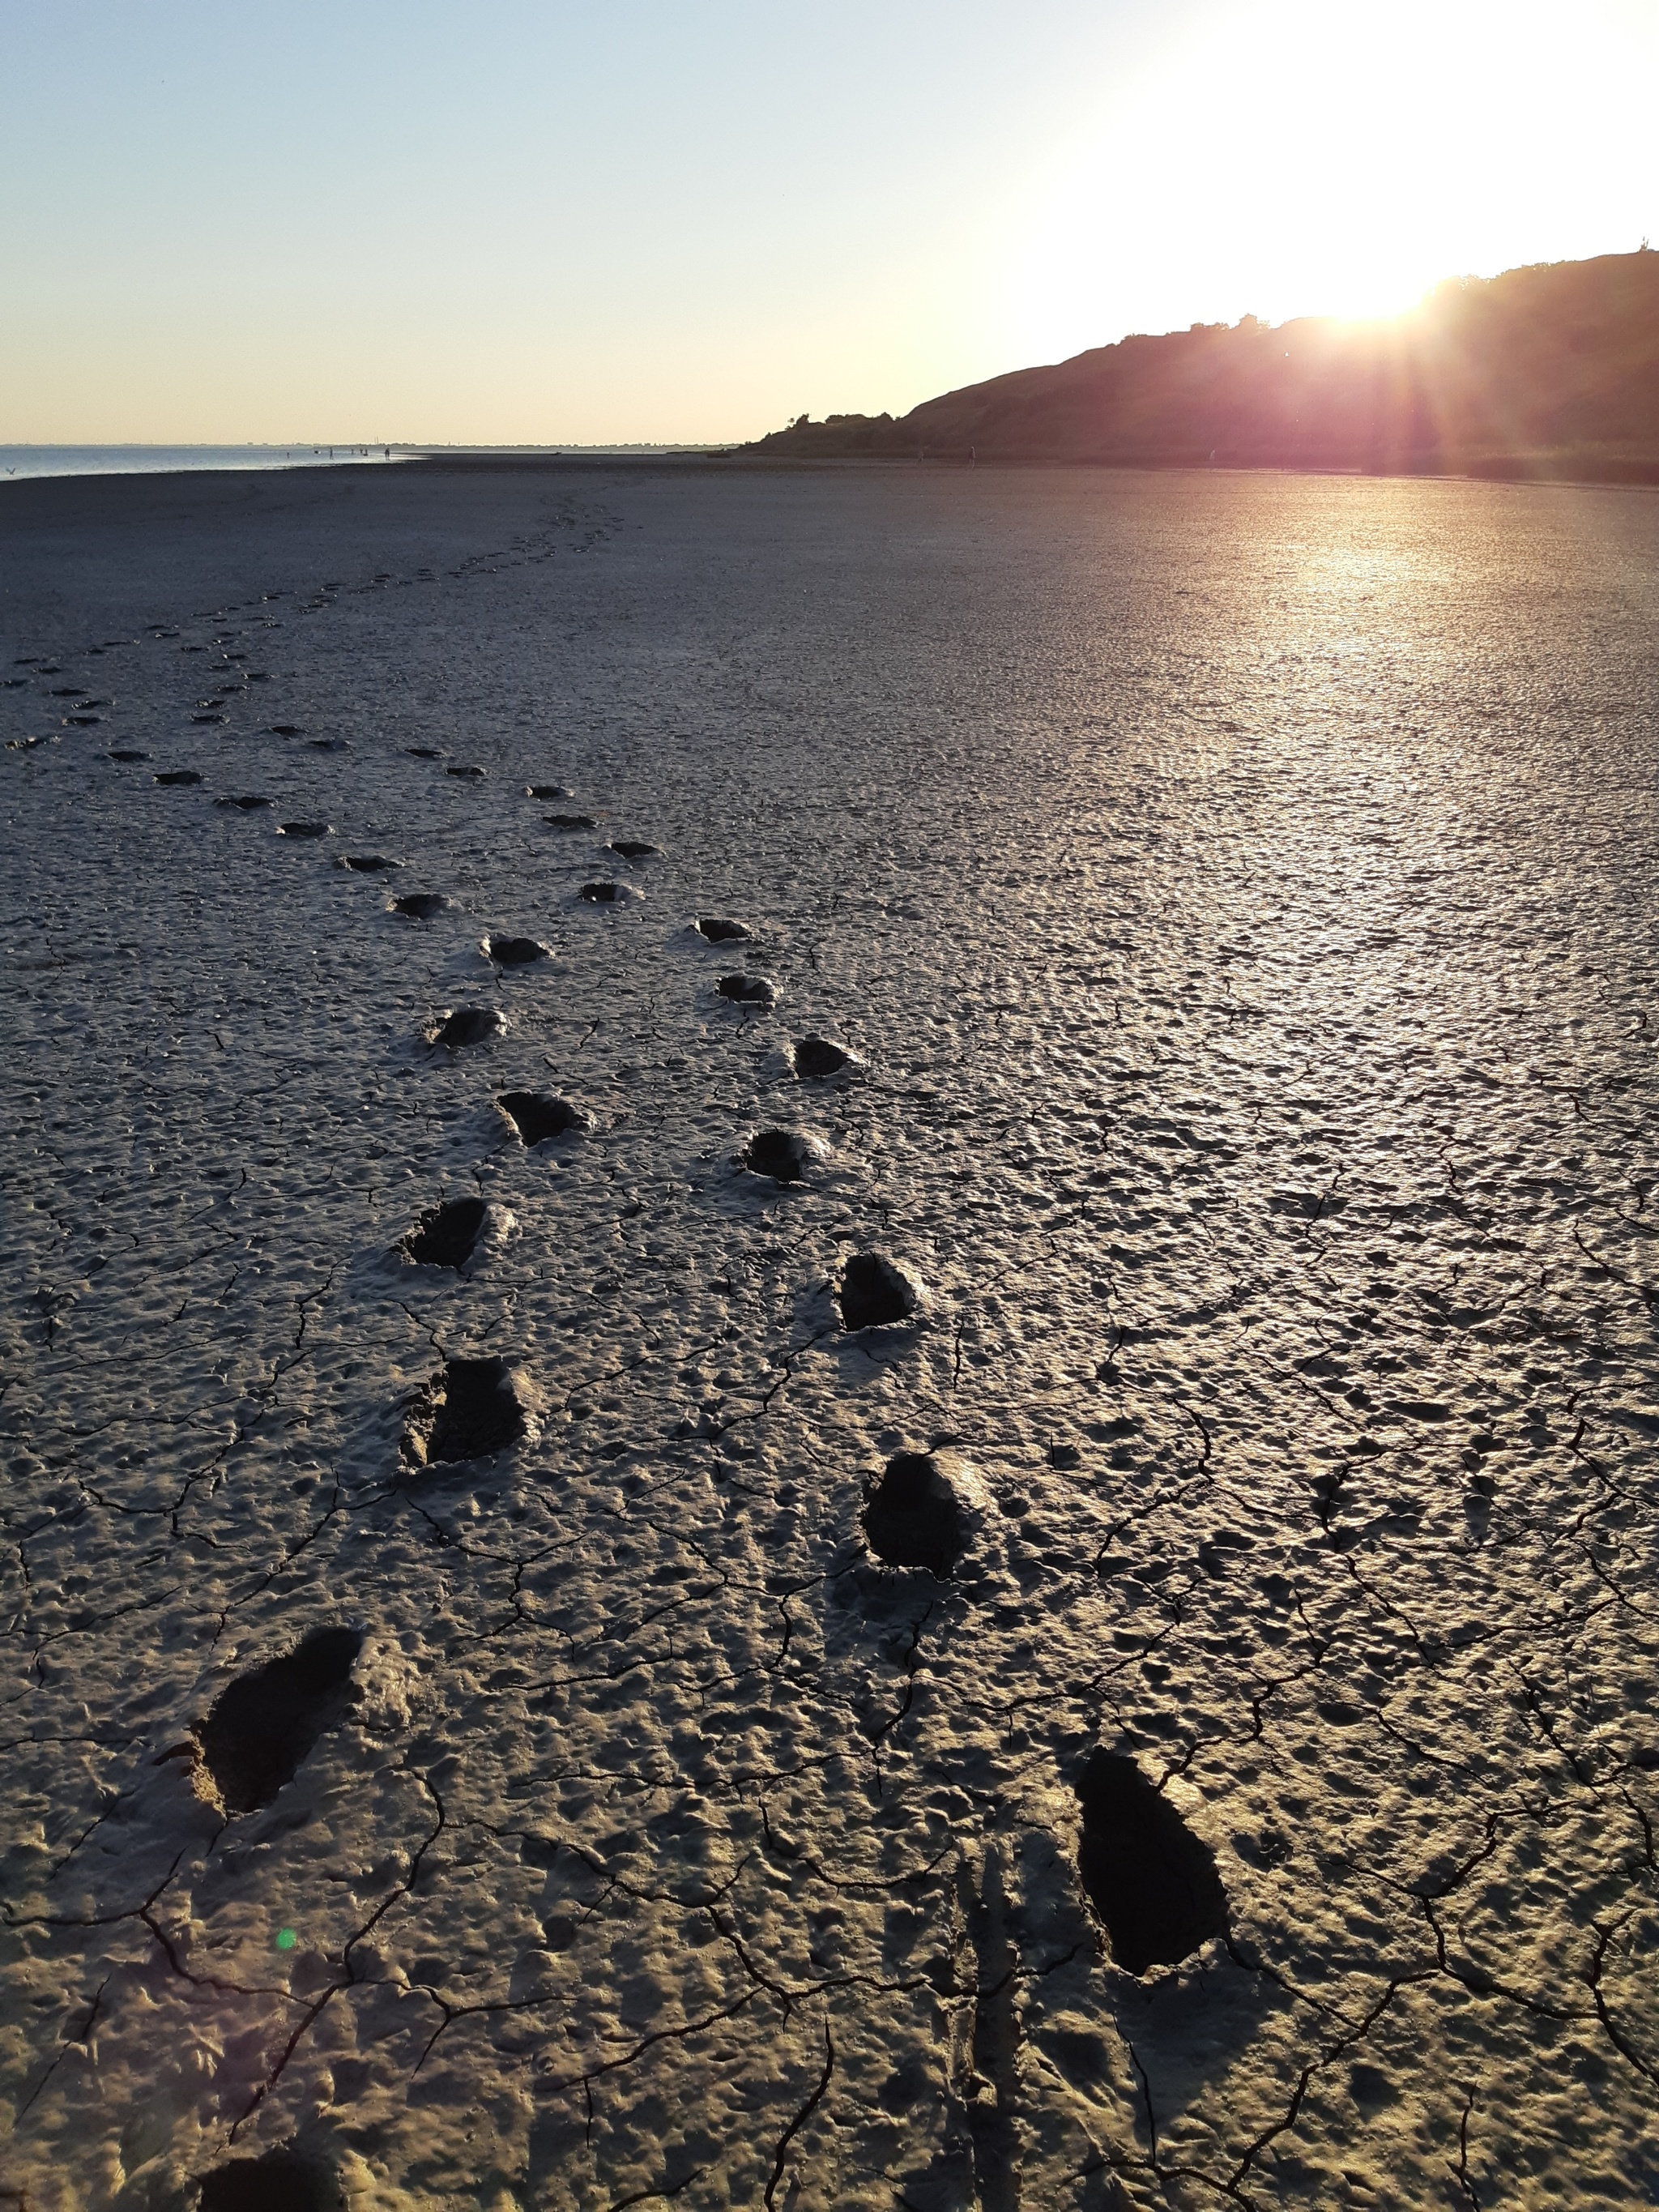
(1552, 371)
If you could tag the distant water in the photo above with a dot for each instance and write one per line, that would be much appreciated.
(19, 461)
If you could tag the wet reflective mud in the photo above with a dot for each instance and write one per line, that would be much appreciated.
(1208, 923)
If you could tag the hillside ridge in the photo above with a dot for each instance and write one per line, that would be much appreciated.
(1551, 370)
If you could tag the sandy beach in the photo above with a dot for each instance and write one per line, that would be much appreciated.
(994, 1546)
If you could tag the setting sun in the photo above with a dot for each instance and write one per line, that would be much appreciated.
(1291, 158)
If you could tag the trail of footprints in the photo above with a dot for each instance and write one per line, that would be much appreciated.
(1154, 1885)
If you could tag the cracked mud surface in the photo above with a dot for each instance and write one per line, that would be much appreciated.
(1236, 893)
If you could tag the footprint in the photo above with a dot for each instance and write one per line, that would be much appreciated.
(752, 991)
(424, 752)
(83, 721)
(126, 753)
(606, 894)
(263, 1724)
(633, 849)
(719, 930)
(783, 1154)
(911, 1516)
(472, 1411)
(514, 951)
(467, 775)
(547, 791)
(209, 718)
(814, 1058)
(248, 803)
(537, 1117)
(286, 729)
(421, 904)
(279, 2181)
(874, 1292)
(302, 829)
(179, 775)
(1153, 1881)
(366, 864)
(467, 1025)
(329, 745)
(570, 821)
(445, 1233)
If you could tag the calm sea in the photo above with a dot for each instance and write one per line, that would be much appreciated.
(20, 461)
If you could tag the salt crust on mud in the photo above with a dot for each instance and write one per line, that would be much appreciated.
(1237, 896)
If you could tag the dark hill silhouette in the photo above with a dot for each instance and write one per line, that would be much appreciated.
(1548, 371)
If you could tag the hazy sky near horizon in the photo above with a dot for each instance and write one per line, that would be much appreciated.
(510, 222)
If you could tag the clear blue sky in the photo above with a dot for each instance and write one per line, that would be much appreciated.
(503, 222)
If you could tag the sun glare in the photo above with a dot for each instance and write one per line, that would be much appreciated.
(1287, 158)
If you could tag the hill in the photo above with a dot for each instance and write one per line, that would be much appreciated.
(1551, 371)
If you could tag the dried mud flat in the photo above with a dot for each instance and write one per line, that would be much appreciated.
(511, 1700)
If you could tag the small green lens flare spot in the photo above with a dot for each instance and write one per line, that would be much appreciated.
(286, 1939)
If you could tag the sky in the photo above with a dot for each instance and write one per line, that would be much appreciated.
(520, 222)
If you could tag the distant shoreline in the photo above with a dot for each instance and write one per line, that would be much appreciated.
(38, 463)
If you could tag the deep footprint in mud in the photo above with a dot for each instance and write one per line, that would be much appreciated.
(874, 1292)
(547, 790)
(467, 1025)
(422, 905)
(447, 1235)
(125, 753)
(302, 829)
(277, 2182)
(250, 802)
(606, 894)
(570, 821)
(538, 1117)
(179, 776)
(720, 929)
(911, 1518)
(469, 775)
(783, 1154)
(514, 951)
(1153, 1883)
(472, 1411)
(633, 849)
(263, 1724)
(814, 1058)
(423, 753)
(367, 864)
(753, 992)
